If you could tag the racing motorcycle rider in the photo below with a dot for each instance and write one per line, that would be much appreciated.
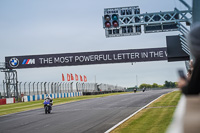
(50, 99)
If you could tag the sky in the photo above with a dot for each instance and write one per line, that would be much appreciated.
(37, 27)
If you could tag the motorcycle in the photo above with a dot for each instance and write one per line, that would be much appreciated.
(143, 89)
(47, 106)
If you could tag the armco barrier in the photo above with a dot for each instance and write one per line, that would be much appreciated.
(53, 96)
(7, 101)
(2, 101)
(10, 100)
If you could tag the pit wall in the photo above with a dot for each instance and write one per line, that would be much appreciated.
(53, 96)
(41, 97)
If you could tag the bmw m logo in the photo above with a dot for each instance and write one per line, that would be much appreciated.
(28, 61)
(14, 62)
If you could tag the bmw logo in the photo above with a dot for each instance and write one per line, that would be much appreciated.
(14, 62)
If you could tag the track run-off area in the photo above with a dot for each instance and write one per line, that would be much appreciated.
(86, 116)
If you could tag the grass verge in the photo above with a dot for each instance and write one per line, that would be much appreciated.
(24, 106)
(153, 119)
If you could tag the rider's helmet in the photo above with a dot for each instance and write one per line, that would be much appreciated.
(48, 97)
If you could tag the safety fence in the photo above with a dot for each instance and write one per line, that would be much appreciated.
(37, 89)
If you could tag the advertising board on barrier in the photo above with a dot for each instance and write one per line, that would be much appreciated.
(86, 58)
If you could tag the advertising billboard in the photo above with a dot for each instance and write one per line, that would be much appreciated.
(86, 58)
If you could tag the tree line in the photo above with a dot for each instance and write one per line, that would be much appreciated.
(167, 84)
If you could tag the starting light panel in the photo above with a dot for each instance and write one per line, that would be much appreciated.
(128, 21)
(113, 20)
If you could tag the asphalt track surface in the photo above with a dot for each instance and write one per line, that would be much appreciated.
(86, 116)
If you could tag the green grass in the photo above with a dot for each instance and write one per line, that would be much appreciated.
(24, 106)
(153, 119)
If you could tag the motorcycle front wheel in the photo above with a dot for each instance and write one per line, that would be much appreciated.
(46, 108)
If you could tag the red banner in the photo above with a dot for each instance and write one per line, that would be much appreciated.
(81, 79)
(72, 77)
(76, 77)
(63, 78)
(85, 78)
(68, 77)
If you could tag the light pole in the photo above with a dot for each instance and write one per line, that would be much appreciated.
(37, 88)
(33, 88)
(20, 87)
(25, 87)
(41, 87)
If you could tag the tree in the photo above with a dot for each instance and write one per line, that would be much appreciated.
(169, 84)
(155, 85)
(142, 86)
(160, 86)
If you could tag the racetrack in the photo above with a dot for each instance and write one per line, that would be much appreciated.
(86, 116)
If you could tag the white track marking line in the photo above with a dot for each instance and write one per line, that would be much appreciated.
(112, 128)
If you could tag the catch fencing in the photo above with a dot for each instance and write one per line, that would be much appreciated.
(40, 88)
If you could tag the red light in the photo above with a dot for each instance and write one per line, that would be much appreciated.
(107, 24)
(115, 24)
